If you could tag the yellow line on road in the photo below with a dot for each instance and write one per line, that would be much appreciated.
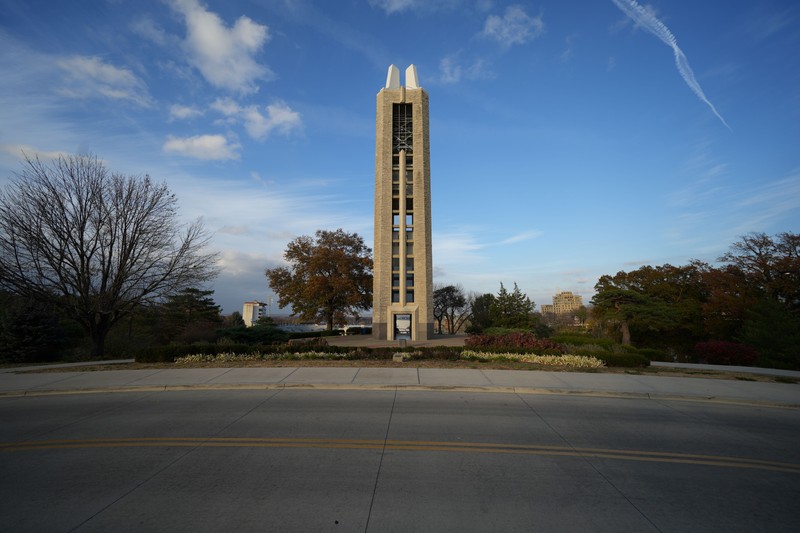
(407, 446)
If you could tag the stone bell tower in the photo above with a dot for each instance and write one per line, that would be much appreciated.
(403, 269)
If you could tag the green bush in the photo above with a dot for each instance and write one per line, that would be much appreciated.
(258, 334)
(655, 355)
(583, 340)
(623, 360)
(358, 330)
(441, 353)
(168, 354)
(586, 348)
(313, 334)
(31, 333)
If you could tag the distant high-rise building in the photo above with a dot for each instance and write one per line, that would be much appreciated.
(563, 303)
(403, 268)
(252, 311)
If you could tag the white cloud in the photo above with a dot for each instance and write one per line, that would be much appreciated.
(769, 203)
(182, 112)
(225, 56)
(394, 6)
(147, 28)
(451, 70)
(514, 27)
(398, 6)
(456, 248)
(226, 106)
(208, 147)
(17, 150)
(645, 17)
(524, 236)
(569, 49)
(89, 77)
(279, 117)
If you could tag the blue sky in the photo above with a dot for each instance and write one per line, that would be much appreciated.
(568, 139)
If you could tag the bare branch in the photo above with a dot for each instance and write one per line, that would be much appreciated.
(96, 244)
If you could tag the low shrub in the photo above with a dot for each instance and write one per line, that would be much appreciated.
(585, 348)
(441, 353)
(170, 352)
(513, 342)
(308, 341)
(622, 360)
(655, 355)
(257, 334)
(315, 334)
(725, 353)
(358, 330)
(583, 340)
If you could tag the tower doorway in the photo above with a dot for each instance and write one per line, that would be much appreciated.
(402, 327)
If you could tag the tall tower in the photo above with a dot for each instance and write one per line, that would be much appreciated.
(403, 270)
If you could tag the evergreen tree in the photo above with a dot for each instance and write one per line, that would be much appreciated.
(512, 309)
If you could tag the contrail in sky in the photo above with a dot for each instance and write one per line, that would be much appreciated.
(650, 22)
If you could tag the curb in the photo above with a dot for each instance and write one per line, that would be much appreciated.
(412, 388)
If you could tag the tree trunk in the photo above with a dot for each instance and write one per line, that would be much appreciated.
(626, 332)
(98, 335)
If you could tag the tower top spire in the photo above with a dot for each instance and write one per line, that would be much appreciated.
(412, 82)
(393, 78)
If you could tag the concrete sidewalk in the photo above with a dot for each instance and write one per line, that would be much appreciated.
(509, 381)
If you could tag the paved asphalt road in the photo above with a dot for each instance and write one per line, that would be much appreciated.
(393, 459)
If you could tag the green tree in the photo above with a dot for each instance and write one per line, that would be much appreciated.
(30, 332)
(329, 276)
(264, 331)
(191, 316)
(233, 320)
(512, 309)
(480, 318)
(622, 302)
(95, 245)
(774, 332)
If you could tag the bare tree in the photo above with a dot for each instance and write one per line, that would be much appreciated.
(95, 244)
(451, 306)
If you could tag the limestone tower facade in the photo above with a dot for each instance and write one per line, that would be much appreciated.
(403, 267)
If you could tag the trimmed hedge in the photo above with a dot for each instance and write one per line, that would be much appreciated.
(582, 340)
(314, 334)
(358, 330)
(623, 360)
(654, 355)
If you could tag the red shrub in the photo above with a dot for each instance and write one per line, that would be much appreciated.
(513, 341)
(725, 353)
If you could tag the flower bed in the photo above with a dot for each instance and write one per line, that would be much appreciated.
(564, 361)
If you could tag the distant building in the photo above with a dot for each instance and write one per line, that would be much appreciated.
(563, 303)
(252, 311)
